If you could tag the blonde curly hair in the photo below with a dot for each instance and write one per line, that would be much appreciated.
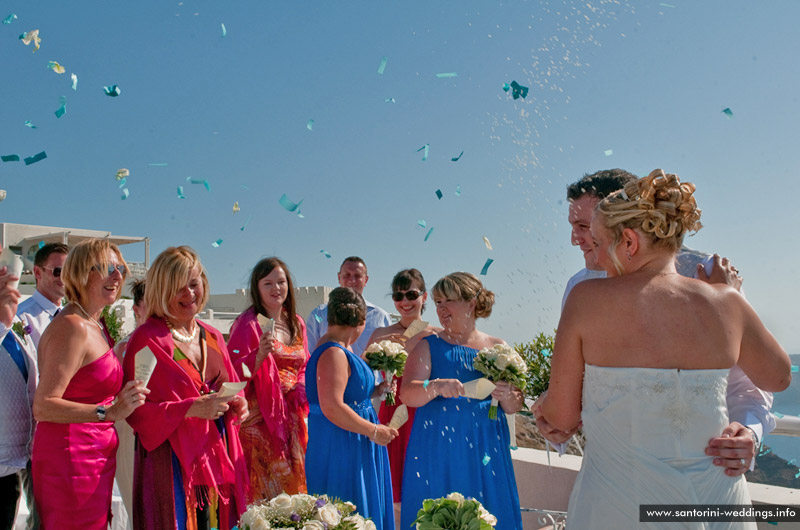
(658, 205)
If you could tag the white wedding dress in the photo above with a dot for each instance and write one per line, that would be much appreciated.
(646, 433)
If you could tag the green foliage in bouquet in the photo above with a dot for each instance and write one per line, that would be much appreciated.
(537, 354)
(113, 322)
(502, 363)
(303, 512)
(454, 512)
(387, 356)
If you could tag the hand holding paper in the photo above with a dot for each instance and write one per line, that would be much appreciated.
(145, 363)
(399, 418)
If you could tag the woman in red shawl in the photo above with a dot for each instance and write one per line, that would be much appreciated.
(274, 436)
(188, 469)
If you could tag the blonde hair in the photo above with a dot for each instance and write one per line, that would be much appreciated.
(464, 287)
(79, 264)
(659, 206)
(169, 274)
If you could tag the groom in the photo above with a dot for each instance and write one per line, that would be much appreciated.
(748, 407)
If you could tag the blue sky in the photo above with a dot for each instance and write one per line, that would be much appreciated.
(646, 80)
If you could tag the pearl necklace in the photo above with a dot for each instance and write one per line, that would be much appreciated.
(180, 337)
(89, 316)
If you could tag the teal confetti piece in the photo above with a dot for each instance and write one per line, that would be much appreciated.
(10, 18)
(318, 318)
(180, 193)
(428, 234)
(777, 414)
(517, 90)
(35, 158)
(63, 108)
(112, 91)
(289, 205)
(446, 75)
(426, 383)
(794, 368)
(245, 187)
(206, 185)
(506, 87)
(30, 125)
(122, 182)
(310, 125)
(422, 223)
(204, 182)
(486, 459)
(439, 194)
(458, 190)
(390, 100)
(667, 5)
(224, 31)
(790, 462)
(456, 159)
(765, 451)
(216, 243)
(158, 164)
(326, 253)
(485, 268)
(608, 152)
(74, 81)
(246, 222)
(546, 352)
(382, 66)
(300, 214)
(125, 194)
(427, 148)
(10, 158)
(727, 112)
(797, 475)
(41, 244)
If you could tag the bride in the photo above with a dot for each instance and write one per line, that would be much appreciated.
(648, 351)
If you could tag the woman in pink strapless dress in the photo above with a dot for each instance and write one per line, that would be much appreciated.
(75, 444)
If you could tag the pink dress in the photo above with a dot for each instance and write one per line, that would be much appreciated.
(74, 463)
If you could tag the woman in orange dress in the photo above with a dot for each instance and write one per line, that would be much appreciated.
(269, 350)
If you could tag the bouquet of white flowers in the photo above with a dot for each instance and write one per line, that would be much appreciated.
(501, 363)
(303, 512)
(388, 357)
(454, 512)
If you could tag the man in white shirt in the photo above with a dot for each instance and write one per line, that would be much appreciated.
(38, 310)
(748, 406)
(353, 274)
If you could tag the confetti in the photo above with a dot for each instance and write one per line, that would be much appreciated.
(666, 5)
(224, 31)
(485, 268)
(246, 222)
(382, 66)
(60, 111)
(427, 148)
(204, 182)
(506, 87)
(326, 253)
(123, 182)
(54, 66)
(112, 91)
(123, 173)
(428, 234)
(517, 90)
(446, 75)
(546, 352)
(422, 223)
(456, 159)
(310, 125)
(10, 158)
(245, 370)
(777, 414)
(158, 164)
(289, 205)
(727, 112)
(180, 193)
(390, 100)
(41, 244)
(318, 318)
(426, 383)
(439, 194)
(29, 124)
(236, 207)
(216, 243)
(487, 243)
(3, 195)
(35, 158)
(31, 36)
(74, 81)
(125, 194)
(794, 368)
(797, 475)
(608, 152)
(458, 190)
(10, 18)
(486, 459)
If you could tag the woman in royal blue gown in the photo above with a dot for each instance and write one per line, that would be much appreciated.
(454, 446)
(346, 455)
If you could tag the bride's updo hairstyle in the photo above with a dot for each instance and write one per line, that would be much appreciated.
(463, 286)
(659, 205)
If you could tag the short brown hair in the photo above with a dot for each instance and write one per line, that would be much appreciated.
(50, 248)
(346, 308)
(463, 286)
(168, 274)
(81, 260)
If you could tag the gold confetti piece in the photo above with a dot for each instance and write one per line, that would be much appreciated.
(236, 207)
(54, 66)
(123, 173)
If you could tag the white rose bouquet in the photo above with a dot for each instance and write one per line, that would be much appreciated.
(303, 512)
(388, 357)
(454, 512)
(501, 363)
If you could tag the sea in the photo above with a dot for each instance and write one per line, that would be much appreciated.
(788, 403)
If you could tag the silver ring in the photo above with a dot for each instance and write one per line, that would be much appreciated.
(742, 461)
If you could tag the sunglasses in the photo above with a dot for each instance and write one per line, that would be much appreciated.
(56, 271)
(110, 269)
(397, 296)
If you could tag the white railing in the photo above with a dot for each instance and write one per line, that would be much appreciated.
(552, 520)
(787, 426)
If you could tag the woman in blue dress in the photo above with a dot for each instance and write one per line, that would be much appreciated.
(454, 446)
(346, 455)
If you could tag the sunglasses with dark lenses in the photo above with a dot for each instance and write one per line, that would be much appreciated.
(56, 271)
(408, 295)
(110, 269)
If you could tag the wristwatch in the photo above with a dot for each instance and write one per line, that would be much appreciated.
(754, 435)
(101, 412)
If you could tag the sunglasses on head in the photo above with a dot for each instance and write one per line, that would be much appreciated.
(56, 271)
(110, 269)
(408, 295)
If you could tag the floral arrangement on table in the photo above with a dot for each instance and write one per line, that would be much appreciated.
(388, 357)
(501, 362)
(303, 512)
(454, 512)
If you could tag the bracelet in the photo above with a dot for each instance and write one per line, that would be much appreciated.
(755, 437)
(375, 432)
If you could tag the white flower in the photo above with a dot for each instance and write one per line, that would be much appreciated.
(502, 361)
(391, 349)
(301, 501)
(373, 348)
(350, 505)
(329, 515)
(260, 524)
(283, 504)
(519, 363)
(369, 525)
(357, 521)
(455, 496)
(486, 516)
(313, 525)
